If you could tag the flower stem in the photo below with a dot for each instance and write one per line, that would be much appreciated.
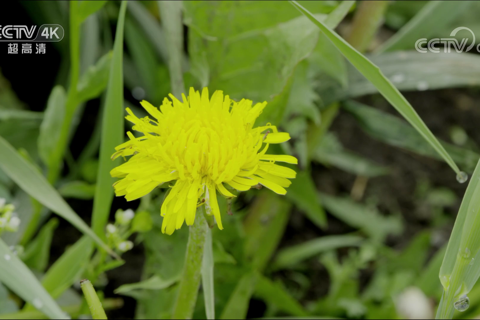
(190, 280)
(93, 302)
(366, 22)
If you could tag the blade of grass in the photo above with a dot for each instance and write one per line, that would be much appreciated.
(16, 276)
(384, 86)
(237, 305)
(112, 131)
(32, 182)
(67, 269)
(461, 265)
(171, 14)
(432, 17)
(94, 304)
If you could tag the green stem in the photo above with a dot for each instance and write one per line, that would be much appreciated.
(171, 14)
(366, 22)
(190, 281)
(93, 302)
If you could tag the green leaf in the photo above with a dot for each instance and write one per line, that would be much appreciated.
(292, 255)
(360, 216)
(237, 305)
(112, 132)
(77, 190)
(7, 304)
(275, 294)
(17, 277)
(51, 125)
(8, 114)
(37, 252)
(432, 17)
(264, 227)
(142, 222)
(392, 130)
(331, 153)
(154, 283)
(247, 55)
(303, 194)
(207, 276)
(32, 182)
(86, 8)
(384, 86)
(95, 79)
(414, 71)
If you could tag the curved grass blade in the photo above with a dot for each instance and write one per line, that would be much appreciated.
(112, 131)
(383, 85)
(460, 269)
(32, 182)
(16, 276)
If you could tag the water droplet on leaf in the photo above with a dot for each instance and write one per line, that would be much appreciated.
(422, 86)
(7, 257)
(462, 304)
(462, 177)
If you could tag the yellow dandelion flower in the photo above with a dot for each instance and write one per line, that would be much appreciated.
(204, 146)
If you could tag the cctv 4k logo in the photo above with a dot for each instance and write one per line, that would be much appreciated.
(23, 33)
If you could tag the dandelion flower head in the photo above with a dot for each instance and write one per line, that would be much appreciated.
(198, 147)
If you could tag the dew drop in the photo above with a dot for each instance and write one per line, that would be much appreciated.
(462, 177)
(37, 303)
(462, 304)
(422, 86)
(466, 253)
(7, 257)
(471, 262)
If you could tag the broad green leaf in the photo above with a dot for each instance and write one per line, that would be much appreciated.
(112, 132)
(37, 252)
(51, 124)
(95, 79)
(303, 194)
(414, 71)
(77, 190)
(249, 49)
(460, 269)
(207, 276)
(264, 227)
(360, 216)
(67, 269)
(17, 277)
(384, 86)
(88, 7)
(32, 182)
(292, 255)
(275, 294)
(432, 17)
(237, 305)
(331, 153)
(394, 131)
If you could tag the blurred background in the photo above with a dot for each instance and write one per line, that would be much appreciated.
(363, 229)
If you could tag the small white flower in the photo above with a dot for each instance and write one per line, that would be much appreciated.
(125, 246)
(128, 214)
(111, 228)
(2, 203)
(13, 224)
